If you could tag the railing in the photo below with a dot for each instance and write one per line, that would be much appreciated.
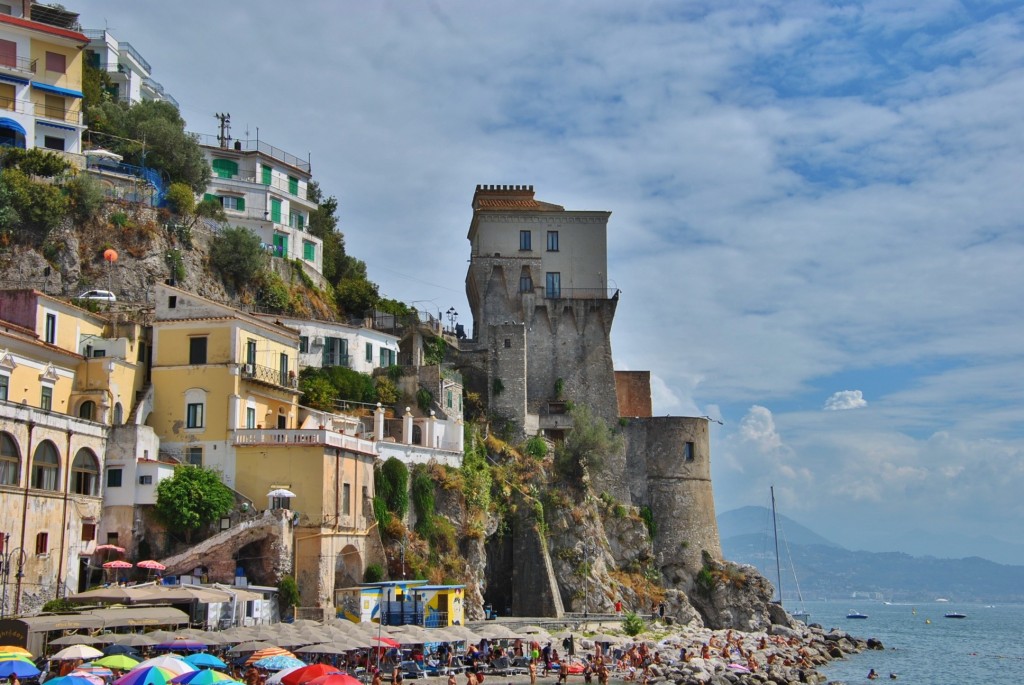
(124, 46)
(158, 91)
(60, 113)
(292, 436)
(269, 375)
(275, 183)
(25, 65)
(256, 146)
(582, 294)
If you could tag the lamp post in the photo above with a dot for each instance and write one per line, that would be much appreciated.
(8, 558)
(452, 316)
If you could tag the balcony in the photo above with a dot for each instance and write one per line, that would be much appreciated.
(60, 114)
(276, 183)
(125, 47)
(286, 436)
(21, 66)
(269, 376)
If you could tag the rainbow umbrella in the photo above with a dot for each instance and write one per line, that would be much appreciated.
(74, 680)
(204, 677)
(149, 675)
(13, 649)
(172, 664)
(121, 662)
(85, 675)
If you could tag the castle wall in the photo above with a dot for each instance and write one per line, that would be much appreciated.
(633, 392)
(507, 364)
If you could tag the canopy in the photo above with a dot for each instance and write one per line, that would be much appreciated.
(152, 565)
(118, 564)
(280, 492)
(12, 125)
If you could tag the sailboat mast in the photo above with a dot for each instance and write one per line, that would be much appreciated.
(775, 530)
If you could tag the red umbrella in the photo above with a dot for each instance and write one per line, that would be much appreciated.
(152, 565)
(308, 673)
(118, 564)
(333, 679)
(387, 641)
(111, 548)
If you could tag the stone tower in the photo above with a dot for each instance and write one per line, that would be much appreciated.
(542, 317)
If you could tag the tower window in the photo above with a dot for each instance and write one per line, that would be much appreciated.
(525, 240)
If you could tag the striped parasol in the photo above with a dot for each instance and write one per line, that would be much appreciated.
(267, 652)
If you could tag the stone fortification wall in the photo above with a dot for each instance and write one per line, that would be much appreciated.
(506, 370)
(661, 472)
(633, 392)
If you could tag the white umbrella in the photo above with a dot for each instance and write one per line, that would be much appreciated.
(84, 652)
(280, 492)
(173, 664)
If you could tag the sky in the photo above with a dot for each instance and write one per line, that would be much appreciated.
(816, 210)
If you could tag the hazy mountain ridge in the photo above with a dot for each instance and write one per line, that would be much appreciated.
(827, 570)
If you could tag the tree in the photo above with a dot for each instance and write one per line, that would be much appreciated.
(356, 296)
(152, 134)
(317, 391)
(287, 595)
(587, 446)
(237, 253)
(193, 497)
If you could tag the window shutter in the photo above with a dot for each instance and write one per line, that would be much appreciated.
(240, 203)
(209, 196)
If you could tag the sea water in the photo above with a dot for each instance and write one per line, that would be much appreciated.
(924, 647)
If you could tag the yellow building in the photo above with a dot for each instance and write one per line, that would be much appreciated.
(402, 602)
(226, 397)
(65, 374)
(41, 56)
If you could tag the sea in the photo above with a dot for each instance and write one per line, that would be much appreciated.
(923, 647)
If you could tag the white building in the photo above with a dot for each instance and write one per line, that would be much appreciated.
(265, 189)
(131, 73)
(329, 343)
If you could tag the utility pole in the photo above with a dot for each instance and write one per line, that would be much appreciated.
(224, 137)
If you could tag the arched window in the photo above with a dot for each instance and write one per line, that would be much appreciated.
(85, 473)
(46, 467)
(10, 460)
(118, 414)
(87, 410)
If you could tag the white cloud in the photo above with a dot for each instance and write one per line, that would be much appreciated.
(758, 428)
(846, 399)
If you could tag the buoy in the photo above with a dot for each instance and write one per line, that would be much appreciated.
(927, 621)
(110, 254)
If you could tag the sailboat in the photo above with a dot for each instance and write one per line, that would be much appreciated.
(803, 614)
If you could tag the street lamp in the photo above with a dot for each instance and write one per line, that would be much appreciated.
(13, 557)
(452, 316)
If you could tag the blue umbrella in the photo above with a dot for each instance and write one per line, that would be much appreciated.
(204, 660)
(278, 663)
(120, 649)
(70, 680)
(22, 669)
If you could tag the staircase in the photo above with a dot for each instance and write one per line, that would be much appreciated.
(143, 397)
(225, 544)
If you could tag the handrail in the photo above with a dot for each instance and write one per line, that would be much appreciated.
(255, 146)
(125, 46)
(582, 294)
(23, 64)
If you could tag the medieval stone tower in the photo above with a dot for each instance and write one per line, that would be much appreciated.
(542, 315)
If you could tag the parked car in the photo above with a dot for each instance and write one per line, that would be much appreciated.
(98, 295)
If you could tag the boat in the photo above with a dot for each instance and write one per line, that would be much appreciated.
(802, 615)
(856, 614)
(955, 614)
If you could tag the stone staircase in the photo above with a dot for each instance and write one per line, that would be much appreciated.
(143, 399)
(217, 552)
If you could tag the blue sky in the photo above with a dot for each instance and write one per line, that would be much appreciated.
(816, 210)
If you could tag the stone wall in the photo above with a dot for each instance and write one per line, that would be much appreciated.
(633, 392)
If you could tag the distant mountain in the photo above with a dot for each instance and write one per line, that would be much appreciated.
(825, 570)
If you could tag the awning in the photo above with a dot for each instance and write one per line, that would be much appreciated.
(14, 79)
(40, 122)
(67, 92)
(12, 125)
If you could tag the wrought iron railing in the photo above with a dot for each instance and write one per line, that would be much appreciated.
(256, 146)
(269, 375)
(581, 293)
(25, 65)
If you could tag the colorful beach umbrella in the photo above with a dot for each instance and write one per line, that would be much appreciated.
(204, 677)
(19, 667)
(118, 564)
(204, 660)
(101, 672)
(172, 664)
(335, 679)
(70, 679)
(152, 565)
(268, 652)
(121, 662)
(14, 649)
(150, 675)
(278, 662)
(307, 673)
(85, 675)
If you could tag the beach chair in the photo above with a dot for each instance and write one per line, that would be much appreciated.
(412, 669)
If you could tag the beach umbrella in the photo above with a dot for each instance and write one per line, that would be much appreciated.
(107, 595)
(19, 667)
(101, 672)
(70, 679)
(306, 673)
(334, 679)
(108, 548)
(84, 652)
(204, 677)
(251, 646)
(275, 679)
(278, 662)
(151, 565)
(135, 640)
(386, 641)
(183, 644)
(93, 678)
(169, 663)
(267, 652)
(118, 563)
(326, 648)
(73, 640)
(13, 649)
(149, 675)
(120, 649)
(204, 660)
(121, 662)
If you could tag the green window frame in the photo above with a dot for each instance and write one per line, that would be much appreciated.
(293, 185)
(369, 352)
(225, 168)
(267, 175)
(5, 384)
(275, 210)
(308, 251)
(46, 398)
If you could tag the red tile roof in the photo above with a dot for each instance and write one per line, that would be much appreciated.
(45, 28)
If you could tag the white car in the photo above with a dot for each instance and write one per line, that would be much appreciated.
(98, 295)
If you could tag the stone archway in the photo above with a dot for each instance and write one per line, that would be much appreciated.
(348, 569)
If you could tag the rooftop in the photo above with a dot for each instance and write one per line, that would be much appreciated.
(510, 197)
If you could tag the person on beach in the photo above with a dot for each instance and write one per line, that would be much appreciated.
(618, 606)
(377, 679)
(451, 678)
(533, 672)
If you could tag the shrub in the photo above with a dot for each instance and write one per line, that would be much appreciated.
(374, 573)
(632, 624)
(237, 254)
(317, 392)
(180, 199)
(424, 398)
(273, 292)
(387, 391)
(423, 500)
(59, 605)
(393, 486)
(648, 516)
(287, 594)
(36, 162)
(86, 196)
(433, 351)
(119, 219)
(380, 512)
(536, 447)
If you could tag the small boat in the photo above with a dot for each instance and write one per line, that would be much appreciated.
(955, 614)
(856, 614)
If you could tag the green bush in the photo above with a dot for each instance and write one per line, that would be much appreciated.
(393, 486)
(536, 447)
(381, 513)
(424, 399)
(374, 573)
(237, 254)
(433, 351)
(86, 196)
(287, 595)
(317, 392)
(423, 500)
(59, 605)
(38, 206)
(632, 624)
(273, 292)
(181, 200)
(176, 265)
(387, 391)
(648, 516)
(119, 219)
(36, 162)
